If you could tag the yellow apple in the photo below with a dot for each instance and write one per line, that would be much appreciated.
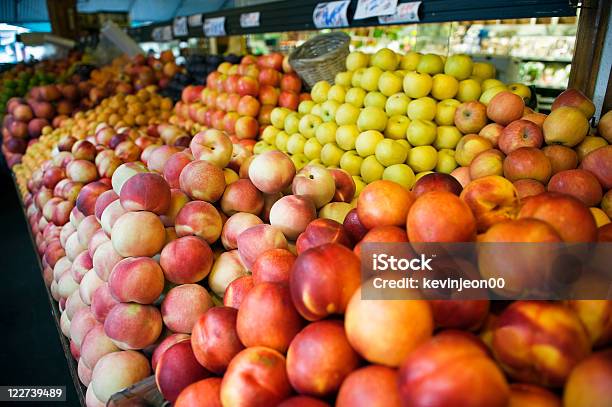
(483, 70)
(230, 176)
(366, 142)
(371, 169)
(305, 106)
(400, 73)
(344, 78)
(355, 96)
(326, 132)
(488, 94)
(316, 110)
(396, 127)
(372, 118)
(328, 110)
(346, 135)
(401, 174)
(261, 147)
(319, 91)
(521, 90)
(469, 90)
(477, 79)
(278, 116)
(299, 160)
(490, 83)
(337, 93)
(292, 122)
(417, 85)
(295, 144)
(347, 114)
(269, 134)
(375, 99)
(421, 175)
(397, 104)
(308, 124)
(281, 141)
(588, 144)
(447, 137)
(369, 79)
(431, 64)
(312, 148)
(444, 86)
(405, 143)
(316, 162)
(445, 112)
(331, 154)
(459, 66)
(600, 217)
(356, 60)
(446, 161)
(422, 158)
(421, 132)
(351, 162)
(410, 61)
(385, 59)
(422, 108)
(356, 78)
(335, 211)
(389, 152)
(389, 83)
(359, 186)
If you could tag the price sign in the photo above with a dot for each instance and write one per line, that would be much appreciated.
(156, 34)
(405, 13)
(331, 14)
(214, 27)
(179, 27)
(195, 20)
(374, 8)
(249, 19)
(167, 33)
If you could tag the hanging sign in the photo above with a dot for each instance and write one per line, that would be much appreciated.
(179, 27)
(248, 20)
(214, 27)
(331, 14)
(405, 13)
(374, 8)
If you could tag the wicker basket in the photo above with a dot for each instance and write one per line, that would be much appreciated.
(321, 58)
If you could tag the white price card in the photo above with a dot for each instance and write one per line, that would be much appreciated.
(167, 33)
(195, 20)
(374, 8)
(331, 14)
(179, 26)
(214, 27)
(249, 19)
(156, 34)
(405, 13)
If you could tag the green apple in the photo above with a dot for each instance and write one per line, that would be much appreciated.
(446, 161)
(331, 154)
(305, 106)
(344, 78)
(371, 169)
(278, 116)
(421, 132)
(269, 134)
(488, 94)
(422, 108)
(431, 64)
(356, 78)
(326, 132)
(445, 112)
(389, 83)
(335, 211)
(469, 90)
(401, 174)
(417, 85)
(316, 162)
(319, 91)
(312, 148)
(369, 79)
(372, 118)
(405, 143)
(356, 60)
(366, 142)
(351, 162)
(359, 186)
(385, 59)
(355, 96)
(422, 158)
(292, 122)
(328, 110)
(295, 144)
(444, 86)
(390, 152)
(459, 65)
(347, 114)
(375, 99)
(491, 83)
(421, 174)
(447, 137)
(316, 110)
(396, 127)
(483, 70)
(337, 93)
(260, 147)
(397, 104)
(308, 124)
(281, 141)
(299, 160)
(400, 73)
(346, 135)
(410, 61)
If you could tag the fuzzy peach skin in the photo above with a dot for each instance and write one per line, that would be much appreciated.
(133, 326)
(242, 196)
(146, 192)
(272, 171)
(589, 382)
(204, 393)
(136, 279)
(186, 260)
(234, 226)
(95, 345)
(164, 345)
(202, 180)
(137, 234)
(116, 371)
(258, 239)
(384, 203)
(183, 305)
(370, 386)
(199, 218)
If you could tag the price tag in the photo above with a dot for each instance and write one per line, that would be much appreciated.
(249, 19)
(374, 8)
(214, 27)
(179, 27)
(195, 20)
(157, 34)
(167, 33)
(405, 13)
(331, 14)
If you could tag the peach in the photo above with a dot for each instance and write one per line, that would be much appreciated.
(137, 234)
(242, 196)
(145, 192)
(258, 239)
(269, 201)
(82, 171)
(578, 183)
(174, 166)
(345, 185)
(136, 279)
(186, 260)
(234, 226)
(292, 214)
(165, 345)
(86, 229)
(102, 302)
(255, 377)
(382, 234)
(84, 373)
(436, 182)
(353, 226)
(133, 326)
(273, 266)
(469, 147)
(204, 393)
(199, 218)
(599, 162)
(74, 303)
(370, 386)
(95, 345)
(492, 199)
(52, 176)
(527, 163)
(81, 323)
(492, 132)
(271, 172)
(124, 172)
(569, 217)
(470, 117)
(90, 398)
(460, 314)
(96, 240)
(574, 98)
(212, 146)
(227, 267)
(505, 107)
(451, 370)
(489, 162)
(214, 339)
(159, 157)
(62, 265)
(588, 383)
(440, 216)
(183, 305)
(523, 394)
(202, 180)
(127, 151)
(528, 187)
(104, 259)
(319, 358)
(103, 201)
(237, 290)
(322, 231)
(524, 330)
(81, 265)
(303, 401)
(116, 371)
(384, 203)
(65, 233)
(66, 285)
(596, 316)
(86, 201)
(64, 324)
(88, 286)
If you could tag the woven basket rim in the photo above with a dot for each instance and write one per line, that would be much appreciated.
(345, 40)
